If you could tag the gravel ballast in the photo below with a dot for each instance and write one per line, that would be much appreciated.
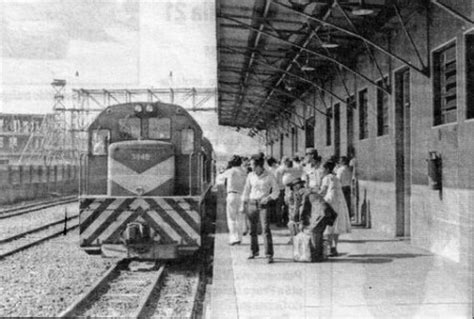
(22, 223)
(44, 280)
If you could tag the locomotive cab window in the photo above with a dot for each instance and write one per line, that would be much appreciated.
(187, 141)
(130, 128)
(100, 140)
(159, 128)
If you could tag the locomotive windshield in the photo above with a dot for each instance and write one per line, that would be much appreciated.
(159, 128)
(100, 139)
(130, 128)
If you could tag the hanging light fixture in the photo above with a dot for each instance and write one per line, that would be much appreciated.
(307, 67)
(328, 44)
(362, 10)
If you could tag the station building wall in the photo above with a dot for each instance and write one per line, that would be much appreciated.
(437, 220)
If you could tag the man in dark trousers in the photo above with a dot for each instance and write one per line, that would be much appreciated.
(260, 188)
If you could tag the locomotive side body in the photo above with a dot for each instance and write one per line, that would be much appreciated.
(145, 182)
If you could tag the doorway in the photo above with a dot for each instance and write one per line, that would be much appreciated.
(351, 105)
(337, 130)
(402, 152)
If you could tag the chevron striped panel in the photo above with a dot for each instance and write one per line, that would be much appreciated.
(173, 219)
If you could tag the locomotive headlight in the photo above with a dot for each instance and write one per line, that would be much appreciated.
(138, 108)
(140, 191)
(149, 108)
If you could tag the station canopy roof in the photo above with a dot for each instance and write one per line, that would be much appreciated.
(272, 51)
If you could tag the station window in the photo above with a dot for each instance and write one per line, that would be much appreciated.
(129, 128)
(470, 75)
(382, 109)
(100, 140)
(309, 132)
(328, 126)
(363, 115)
(187, 141)
(159, 128)
(294, 140)
(444, 81)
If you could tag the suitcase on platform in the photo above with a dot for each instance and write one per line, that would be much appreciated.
(302, 247)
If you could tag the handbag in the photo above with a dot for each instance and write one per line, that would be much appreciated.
(302, 247)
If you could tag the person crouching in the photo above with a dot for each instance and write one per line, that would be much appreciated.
(316, 215)
(294, 200)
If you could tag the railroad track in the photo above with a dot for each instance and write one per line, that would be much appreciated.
(121, 292)
(33, 237)
(25, 209)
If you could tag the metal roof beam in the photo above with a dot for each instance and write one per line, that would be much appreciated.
(249, 17)
(283, 93)
(300, 78)
(231, 69)
(331, 59)
(256, 43)
(277, 30)
(452, 11)
(356, 35)
(297, 55)
(367, 47)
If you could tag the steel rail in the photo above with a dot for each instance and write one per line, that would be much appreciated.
(113, 273)
(148, 293)
(80, 302)
(36, 242)
(17, 211)
(35, 230)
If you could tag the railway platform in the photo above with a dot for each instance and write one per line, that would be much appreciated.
(374, 277)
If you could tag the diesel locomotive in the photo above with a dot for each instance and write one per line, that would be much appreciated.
(144, 182)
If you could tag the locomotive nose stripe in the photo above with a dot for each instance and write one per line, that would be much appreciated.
(166, 227)
(148, 180)
(170, 218)
(112, 228)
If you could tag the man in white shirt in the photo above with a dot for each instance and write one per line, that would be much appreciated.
(235, 178)
(260, 188)
(314, 173)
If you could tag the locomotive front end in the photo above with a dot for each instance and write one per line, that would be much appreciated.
(134, 203)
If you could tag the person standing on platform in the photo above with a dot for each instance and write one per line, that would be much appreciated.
(354, 184)
(234, 177)
(260, 188)
(332, 193)
(272, 167)
(344, 173)
(280, 206)
(313, 175)
(298, 166)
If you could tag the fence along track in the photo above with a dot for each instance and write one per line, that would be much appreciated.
(16, 211)
(104, 291)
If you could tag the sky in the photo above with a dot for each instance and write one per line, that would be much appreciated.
(96, 44)
(108, 44)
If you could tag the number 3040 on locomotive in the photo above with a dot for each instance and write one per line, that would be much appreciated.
(144, 182)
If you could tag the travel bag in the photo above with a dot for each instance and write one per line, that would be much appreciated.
(302, 247)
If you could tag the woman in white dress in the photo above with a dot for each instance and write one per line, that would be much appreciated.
(331, 190)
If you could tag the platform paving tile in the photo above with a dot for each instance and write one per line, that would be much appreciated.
(374, 277)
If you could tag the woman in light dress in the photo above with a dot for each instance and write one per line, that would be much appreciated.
(331, 190)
